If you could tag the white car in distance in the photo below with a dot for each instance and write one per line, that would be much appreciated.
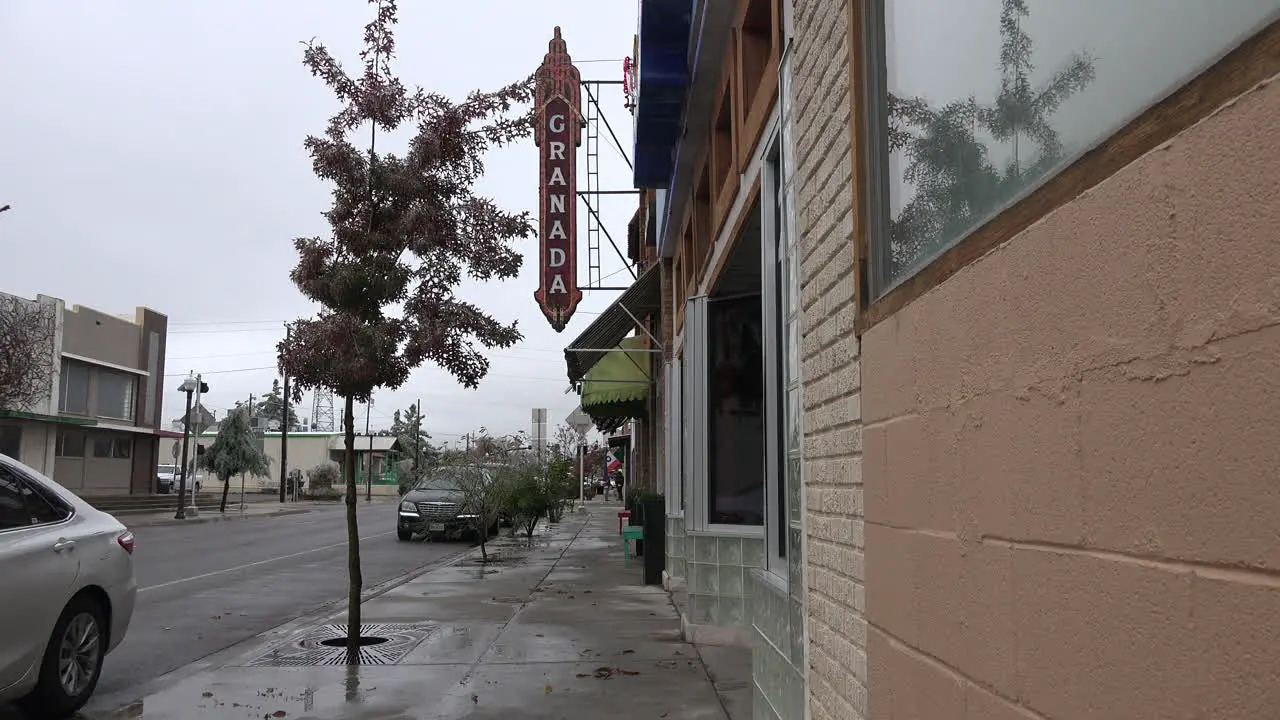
(67, 593)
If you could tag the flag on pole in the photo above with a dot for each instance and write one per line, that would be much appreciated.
(613, 464)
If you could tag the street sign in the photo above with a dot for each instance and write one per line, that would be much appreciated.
(579, 421)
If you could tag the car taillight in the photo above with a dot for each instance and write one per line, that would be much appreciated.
(126, 541)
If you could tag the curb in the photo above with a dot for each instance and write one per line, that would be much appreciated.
(213, 517)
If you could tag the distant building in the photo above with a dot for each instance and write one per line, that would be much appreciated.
(98, 431)
(309, 449)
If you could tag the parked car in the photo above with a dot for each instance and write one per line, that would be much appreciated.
(167, 480)
(67, 593)
(434, 506)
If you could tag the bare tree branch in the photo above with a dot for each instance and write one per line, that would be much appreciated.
(27, 331)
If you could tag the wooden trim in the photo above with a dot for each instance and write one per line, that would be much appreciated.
(724, 189)
(1257, 59)
(704, 234)
(753, 194)
(858, 159)
(751, 120)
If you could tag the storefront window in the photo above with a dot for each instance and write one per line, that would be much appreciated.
(735, 413)
(985, 100)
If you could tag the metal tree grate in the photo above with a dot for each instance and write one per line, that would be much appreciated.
(308, 651)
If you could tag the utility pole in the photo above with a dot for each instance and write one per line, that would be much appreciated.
(417, 441)
(368, 482)
(284, 427)
(252, 430)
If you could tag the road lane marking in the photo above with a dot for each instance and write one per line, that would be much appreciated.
(245, 566)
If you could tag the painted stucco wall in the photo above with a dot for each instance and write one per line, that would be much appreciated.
(89, 333)
(1071, 453)
(836, 650)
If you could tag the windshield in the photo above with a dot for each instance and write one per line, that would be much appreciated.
(167, 468)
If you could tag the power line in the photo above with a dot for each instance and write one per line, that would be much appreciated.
(223, 372)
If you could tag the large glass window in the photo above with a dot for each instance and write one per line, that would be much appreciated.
(70, 443)
(735, 413)
(119, 447)
(984, 99)
(11, 441)
(115, 394)
(783, 317)
(73, 391)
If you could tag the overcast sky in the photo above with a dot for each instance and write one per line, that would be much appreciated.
(152, 153)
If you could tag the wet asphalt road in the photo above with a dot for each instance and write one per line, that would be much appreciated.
(207, 586)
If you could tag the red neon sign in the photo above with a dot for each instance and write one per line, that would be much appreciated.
(557, 133)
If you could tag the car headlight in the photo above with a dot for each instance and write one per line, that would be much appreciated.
(408, 507)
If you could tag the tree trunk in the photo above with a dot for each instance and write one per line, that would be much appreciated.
(226, 485)
(353, 535)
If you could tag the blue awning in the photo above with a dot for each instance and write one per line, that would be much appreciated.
(664, 77)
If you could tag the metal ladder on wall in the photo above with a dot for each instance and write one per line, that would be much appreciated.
(591, 142)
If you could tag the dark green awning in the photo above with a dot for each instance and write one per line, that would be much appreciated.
(40, 417)
(617, 386)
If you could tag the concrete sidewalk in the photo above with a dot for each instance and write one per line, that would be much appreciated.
(234, 512)
(554, 628)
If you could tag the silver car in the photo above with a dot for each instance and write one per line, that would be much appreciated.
(67, 593)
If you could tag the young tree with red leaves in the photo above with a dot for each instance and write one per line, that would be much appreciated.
(406, 229)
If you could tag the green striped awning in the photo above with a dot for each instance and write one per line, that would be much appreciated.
(617, 386)
(641, 299)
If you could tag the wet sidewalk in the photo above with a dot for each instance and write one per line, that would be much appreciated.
(555, 628)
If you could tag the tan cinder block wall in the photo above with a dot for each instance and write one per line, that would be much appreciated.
(830, 364)
(1073, 454)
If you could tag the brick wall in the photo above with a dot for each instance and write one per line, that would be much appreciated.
(830, 363)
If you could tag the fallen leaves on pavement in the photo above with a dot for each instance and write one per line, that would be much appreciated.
(604, 672)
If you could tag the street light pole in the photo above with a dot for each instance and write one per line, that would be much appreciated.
(188, 386)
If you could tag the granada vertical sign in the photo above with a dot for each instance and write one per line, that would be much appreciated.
(557, 133)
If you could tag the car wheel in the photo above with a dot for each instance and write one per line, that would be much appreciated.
(72, 661)
(404, 534)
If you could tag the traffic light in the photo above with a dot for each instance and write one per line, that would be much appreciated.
(204, 388)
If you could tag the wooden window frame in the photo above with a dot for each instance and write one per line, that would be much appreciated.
(725, 162)
(1252, 62)
(702, 211)
(753, 116)
(731, 240)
